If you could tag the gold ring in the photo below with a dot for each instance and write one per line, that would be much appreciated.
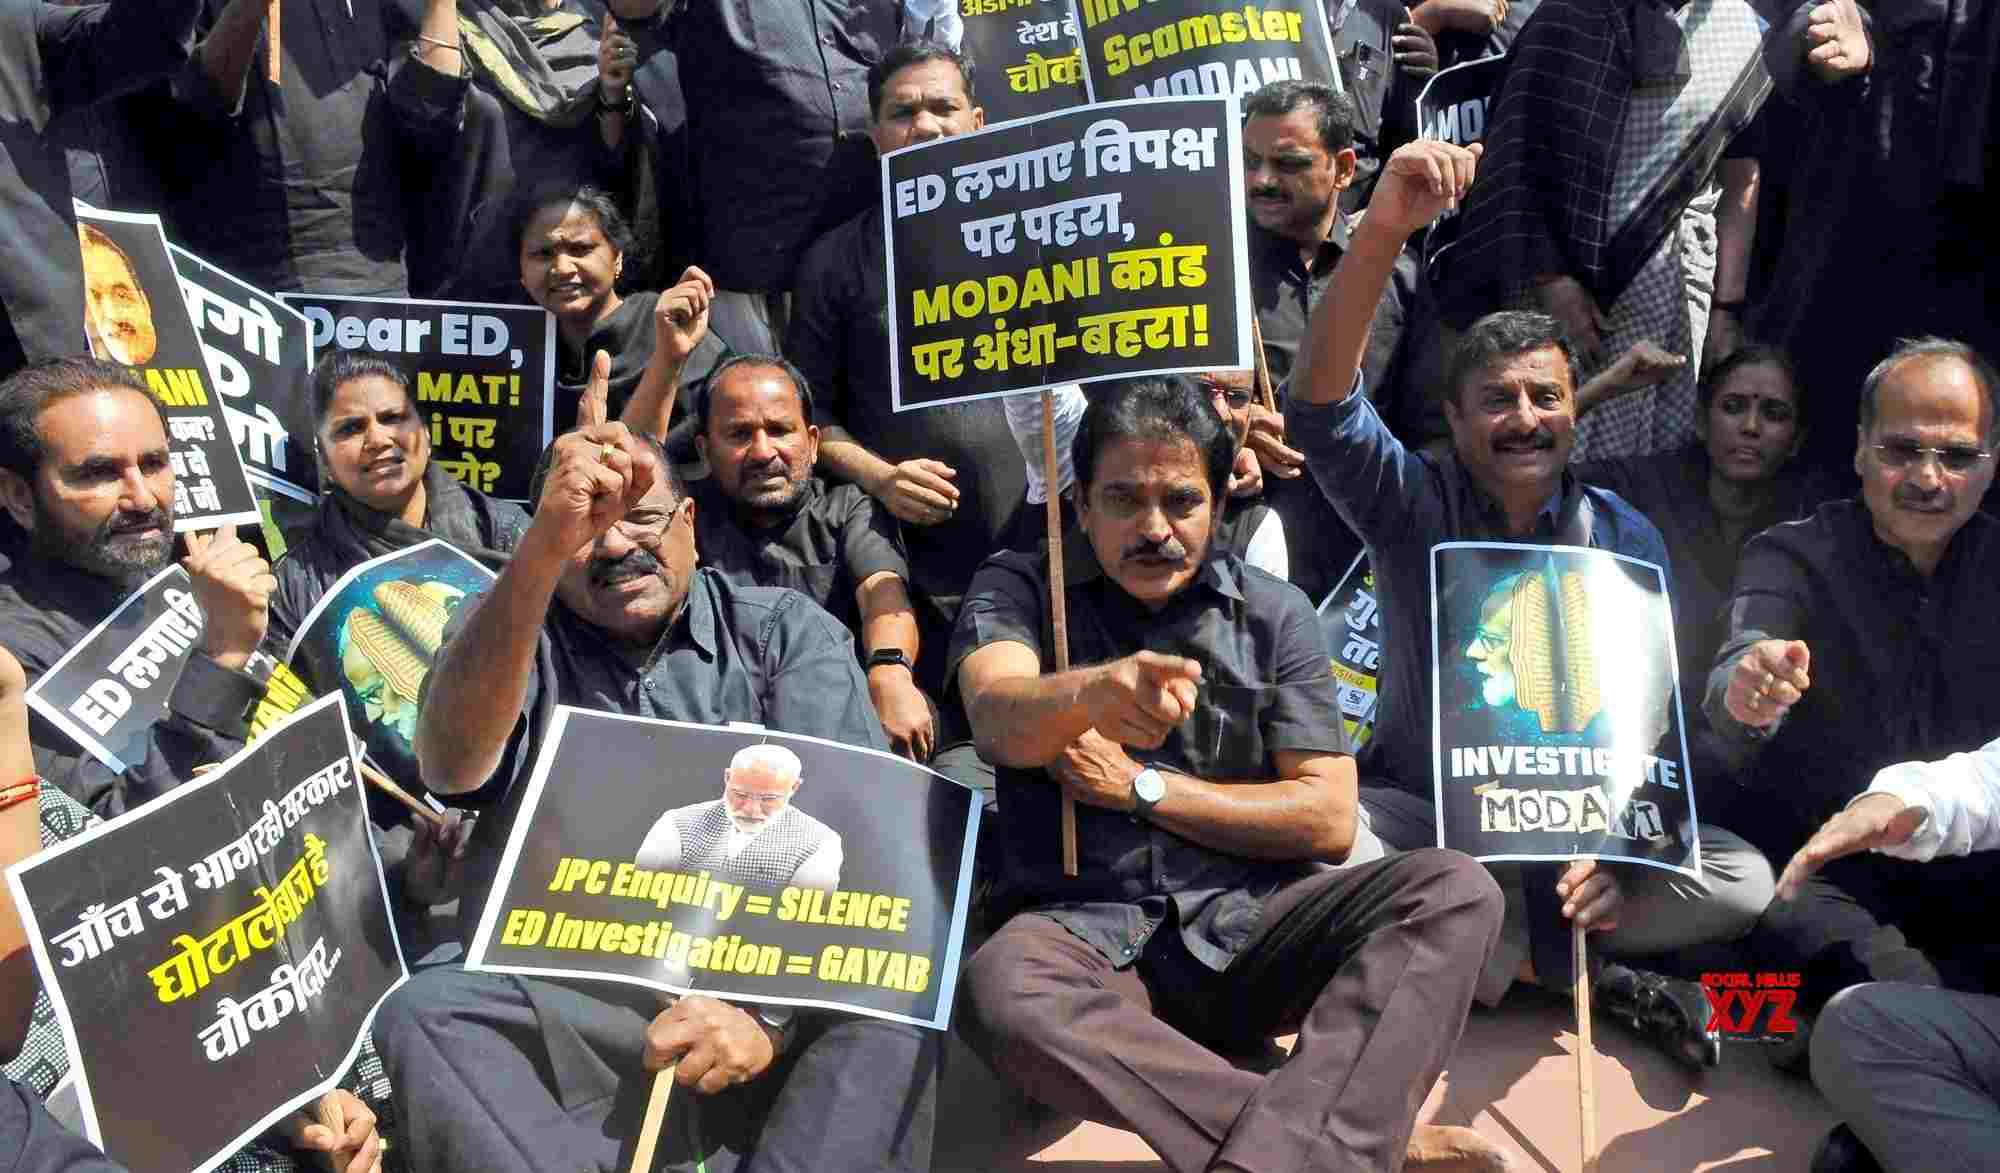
(605, 453)
(1756, 699)
(1769, 680)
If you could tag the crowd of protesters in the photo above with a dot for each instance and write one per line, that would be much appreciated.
(1723, 296)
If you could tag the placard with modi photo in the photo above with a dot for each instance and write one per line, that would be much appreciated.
(748, 865)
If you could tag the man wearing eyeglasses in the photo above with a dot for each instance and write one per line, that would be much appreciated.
(1866, 635)
(602, 606)
(752, 834)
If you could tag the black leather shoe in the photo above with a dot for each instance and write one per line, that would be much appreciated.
(1672, 1012)
(1843, 1152)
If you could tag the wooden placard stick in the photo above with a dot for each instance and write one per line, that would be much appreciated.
(1058, 605)
(272, 68)
(1266, 393)
(421, 809)
(1586, 1053)
(656, 1114)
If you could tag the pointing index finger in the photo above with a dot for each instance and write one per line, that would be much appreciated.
(594, 407)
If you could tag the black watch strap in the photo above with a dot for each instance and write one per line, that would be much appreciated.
(884, 656)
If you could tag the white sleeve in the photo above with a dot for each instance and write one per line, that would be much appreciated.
(1024, 420)
(1267, 550)
(661, 852)
(821, 869)
(949, 29)
(1960, 796)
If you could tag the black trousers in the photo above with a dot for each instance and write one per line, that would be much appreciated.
(31, 1141)
(1872, 918)
(1373, 965)
(497, 1074)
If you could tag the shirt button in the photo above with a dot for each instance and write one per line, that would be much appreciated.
(839, 87)
(826, 38)
(649, 685)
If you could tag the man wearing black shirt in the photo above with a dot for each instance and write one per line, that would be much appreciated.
(302, 181)
(1203, 747)
(951, 474)
(762, 518)
(55, 58)
(84, 469)
(602, 606)
(1861, 637)
(1298, 158)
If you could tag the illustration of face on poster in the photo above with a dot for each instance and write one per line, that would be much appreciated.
(387, 647)
(118, 317)
(1543, 641)
(374, 635)
(1557, 728)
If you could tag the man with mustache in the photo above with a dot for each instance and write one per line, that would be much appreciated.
(1510, 402)
(84, 470)
(763, 518)
(1201, 741)
(1861, 637)
(1299, 162)
(603, 606)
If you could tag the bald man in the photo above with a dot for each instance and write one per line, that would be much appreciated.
(752, 834)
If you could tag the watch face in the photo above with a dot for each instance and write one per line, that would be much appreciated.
(1150, 786)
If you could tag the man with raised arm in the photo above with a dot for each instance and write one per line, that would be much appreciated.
(1510, 402)
(602, 606)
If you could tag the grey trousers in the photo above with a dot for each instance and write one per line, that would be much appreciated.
(498, 1074)
(1915, 1071)
(1372, 966)
(1663, 910)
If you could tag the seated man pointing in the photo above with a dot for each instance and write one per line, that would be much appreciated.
(1204, 748)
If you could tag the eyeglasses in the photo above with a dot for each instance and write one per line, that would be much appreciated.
(1958, 459)
(1237, 398)
(750, 798)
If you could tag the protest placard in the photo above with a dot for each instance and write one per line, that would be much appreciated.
(260, 361)
(1452, 108)
(484, 374)
(215, 956)
(1026, 54)
(849, 894)
(108, 690)
(134, 314)
(1086, 244)
(1189, 48)
(1557, 729)
(1352, 624)
(373, 636)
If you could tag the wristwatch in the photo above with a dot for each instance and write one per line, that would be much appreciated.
(624, 107)
(1147, 791)
(778, 1022)
(884, 656)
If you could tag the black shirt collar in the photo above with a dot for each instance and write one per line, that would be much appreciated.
(1282, 252)
(695, 623)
